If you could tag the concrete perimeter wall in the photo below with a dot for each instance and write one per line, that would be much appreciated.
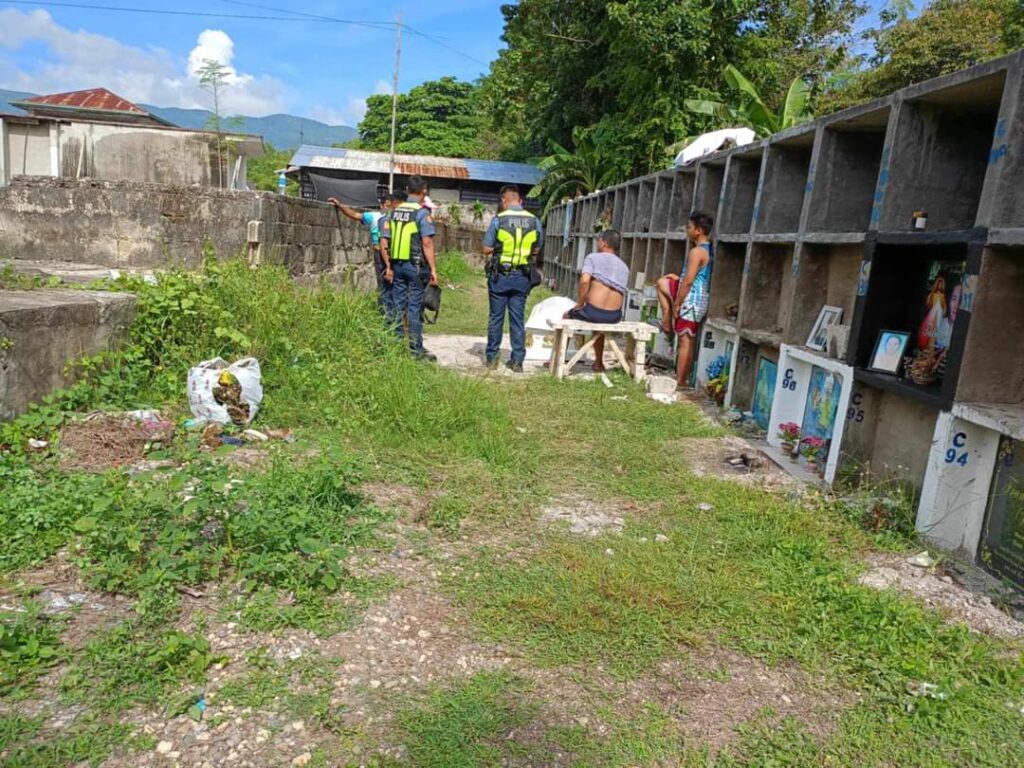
(136, 225)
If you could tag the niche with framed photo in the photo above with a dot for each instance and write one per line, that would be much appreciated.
(888, 353)
(829, 316)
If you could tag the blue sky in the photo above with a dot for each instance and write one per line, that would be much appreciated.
(307, 67)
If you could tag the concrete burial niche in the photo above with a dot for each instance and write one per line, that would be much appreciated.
(662, 202)
(940, 155)
(847, 167)
(742, 174)
(655, 264)
(909, 281)
(887, 435)
(992, 371)
(629, 210)
(717, 339)
(727, 281)
(644, 206)
(813, 392)
(1005, 203)
(682, 200)
(784, 181)
(823, 274)
(708, 190)
(766, 298)
(743, 380)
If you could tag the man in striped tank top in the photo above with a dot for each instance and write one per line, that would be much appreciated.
(686, 299)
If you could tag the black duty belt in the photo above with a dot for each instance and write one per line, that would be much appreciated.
(507, 269)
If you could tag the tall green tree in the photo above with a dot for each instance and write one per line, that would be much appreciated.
(573, 172)
(213, 77)
(626, 67)
(948, 35)
(262, 170)
(440, 117)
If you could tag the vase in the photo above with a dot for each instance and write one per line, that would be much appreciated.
(812, 466)
(787, 448)
(794, 456)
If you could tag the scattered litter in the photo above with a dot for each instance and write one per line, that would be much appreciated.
(607, 382)
(522, 430)
(37, 445)
(705, 507)
(225, 393)
(620, 397)
(280, 434)
(255, 434)
(609, 552)
(922, 560)
(661, 538)
(746, 461)
(191, 592)
(229, 440)
(196, 710)
(927, 690)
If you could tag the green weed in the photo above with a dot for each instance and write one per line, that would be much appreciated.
(128, 665)
(29, 645)
(25, 744)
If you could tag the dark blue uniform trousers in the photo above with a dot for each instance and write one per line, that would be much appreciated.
(407, 299)
(507, 292)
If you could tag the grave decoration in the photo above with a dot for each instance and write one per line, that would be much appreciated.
(934, 331)
(1002, 547)
(827, 317)
(888, 353)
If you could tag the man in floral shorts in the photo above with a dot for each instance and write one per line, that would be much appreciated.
(686, 299)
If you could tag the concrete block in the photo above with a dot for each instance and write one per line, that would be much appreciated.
(43, 331)
(955, 492)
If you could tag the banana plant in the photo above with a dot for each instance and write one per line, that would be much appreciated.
(750, 110)
(572, 172)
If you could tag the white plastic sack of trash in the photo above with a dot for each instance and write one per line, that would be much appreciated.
(538, 332)
(707, 143)
(203, 378)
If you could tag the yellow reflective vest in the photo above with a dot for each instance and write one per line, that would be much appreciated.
(517, 236)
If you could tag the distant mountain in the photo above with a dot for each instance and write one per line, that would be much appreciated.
(282, 131)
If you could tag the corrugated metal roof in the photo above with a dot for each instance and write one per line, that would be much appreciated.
(94, 98)
(336, 158)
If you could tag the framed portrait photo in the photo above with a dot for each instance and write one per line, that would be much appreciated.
(888, 353)
(828, 316)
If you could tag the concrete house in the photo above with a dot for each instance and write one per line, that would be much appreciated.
(97, 134)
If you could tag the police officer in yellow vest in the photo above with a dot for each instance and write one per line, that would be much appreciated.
(407, 247)
(513, 242)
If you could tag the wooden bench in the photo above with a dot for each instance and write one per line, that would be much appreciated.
(633, 361)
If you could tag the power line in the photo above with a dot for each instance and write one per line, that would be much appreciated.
(317, 17)
(165, 12)
(295, 17)
(433, 38)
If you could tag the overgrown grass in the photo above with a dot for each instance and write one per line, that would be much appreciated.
(464, 307)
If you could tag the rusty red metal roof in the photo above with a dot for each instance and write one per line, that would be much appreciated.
(94, 98)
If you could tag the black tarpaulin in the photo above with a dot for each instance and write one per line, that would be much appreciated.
(358, 193)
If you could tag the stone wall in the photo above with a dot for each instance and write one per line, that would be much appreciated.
(140, 225)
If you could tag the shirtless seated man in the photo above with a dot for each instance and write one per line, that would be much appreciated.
(602, 289)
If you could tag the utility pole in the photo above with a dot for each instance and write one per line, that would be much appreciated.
(394, 102)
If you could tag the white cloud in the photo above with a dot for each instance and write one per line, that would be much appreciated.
(80, 59)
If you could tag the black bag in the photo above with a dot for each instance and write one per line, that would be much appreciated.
(536, 277)
(431, 302)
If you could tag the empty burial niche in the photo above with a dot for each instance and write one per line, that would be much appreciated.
(767, 297)
(662, 200)
(940, 156)
(726, 281)
(629, 214)
(675, 256)
(847, 173)
(785, 179)
(644, 207)
(741, 179)
(682, 201)
(618, 207)
(914, 291)
(710, 177)
(655, 260)
(886, 435)
(826, 275)
(992, 370)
